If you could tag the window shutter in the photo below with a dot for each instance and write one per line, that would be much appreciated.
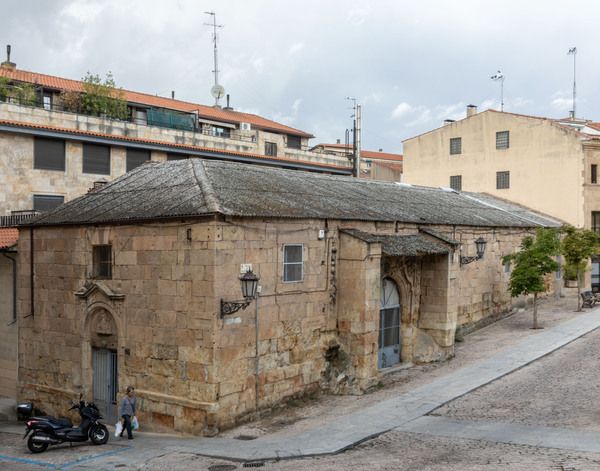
(136, 157)
(48, 154)
(96, 159)
(45, 203)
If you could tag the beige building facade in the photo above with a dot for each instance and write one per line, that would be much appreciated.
(133, 279)
(546, 164)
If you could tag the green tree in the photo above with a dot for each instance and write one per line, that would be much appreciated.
(4, 88)
(103, 97)
(532, 263)
(577, 247)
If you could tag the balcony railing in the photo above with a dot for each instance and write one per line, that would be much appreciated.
(17, 218)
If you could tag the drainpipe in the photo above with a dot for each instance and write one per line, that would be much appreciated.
(31, 287)
(14, 287)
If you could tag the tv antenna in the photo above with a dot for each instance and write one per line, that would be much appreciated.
(499, 77)
(573, 52)
(217, 90)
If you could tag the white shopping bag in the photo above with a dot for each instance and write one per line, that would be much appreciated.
(134, 423)
(118, 428)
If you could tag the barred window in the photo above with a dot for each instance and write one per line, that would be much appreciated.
(102, 261)
(456, 145)
(293, 264)
(96, 159)
(502, 140)
(502, 180)
(48, 154)
(456, 182)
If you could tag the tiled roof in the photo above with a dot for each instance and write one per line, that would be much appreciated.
(196, 187)
(137, 140)
(407, 245)
(204, 111)
(369, 154)
(8, 237)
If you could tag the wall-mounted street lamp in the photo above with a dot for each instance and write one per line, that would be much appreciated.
(480, 244)
(249, 285)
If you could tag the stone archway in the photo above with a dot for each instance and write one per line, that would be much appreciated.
(389, 325)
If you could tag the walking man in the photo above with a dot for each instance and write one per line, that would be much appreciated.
(127, 411)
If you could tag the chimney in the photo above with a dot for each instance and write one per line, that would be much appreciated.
(380, 150)
(228, 108)
(471, 110)
(172, 94)
(571, 115)
(98, 185)
(338, 141)
(7, 64)
(448, 121)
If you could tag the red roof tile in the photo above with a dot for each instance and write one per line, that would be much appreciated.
(126, 139)
(203, 111)
(8, 237)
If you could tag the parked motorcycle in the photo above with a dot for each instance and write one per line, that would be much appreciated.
(46, 430)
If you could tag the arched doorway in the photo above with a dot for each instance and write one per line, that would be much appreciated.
(389, 325)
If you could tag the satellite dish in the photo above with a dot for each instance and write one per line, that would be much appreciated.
(217, 91)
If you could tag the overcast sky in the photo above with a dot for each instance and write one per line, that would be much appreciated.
(411, 64)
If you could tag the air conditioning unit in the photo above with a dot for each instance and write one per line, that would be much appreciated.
(245, 126)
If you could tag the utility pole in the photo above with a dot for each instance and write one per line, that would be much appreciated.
(573, 52)
(217, 90)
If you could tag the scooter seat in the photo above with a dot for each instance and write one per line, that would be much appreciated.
(61, 422)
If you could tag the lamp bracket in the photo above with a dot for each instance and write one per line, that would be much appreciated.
(467, 260)
(231, 307)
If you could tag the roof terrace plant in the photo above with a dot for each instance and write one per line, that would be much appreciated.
(103, 98)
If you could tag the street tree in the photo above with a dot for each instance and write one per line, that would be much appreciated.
(577, 247)
(533, 261)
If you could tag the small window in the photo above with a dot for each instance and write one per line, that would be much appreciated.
(48, 154)
(140, 116)
(502, 180)
(136, 157)
(102, 262)
(47, 101)
(596, 222)
(176, 157)
(271, 149)
(221, 132)
(456, 145)
(456, 182)
(294, 142)
(293, 265)
(96, 159)
(506, 267)
(502, 140)
(594, 178)
(43, 203)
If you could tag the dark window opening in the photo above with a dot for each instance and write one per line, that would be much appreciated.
(594, 178)
(136, 157)
(271, 149)
(456, 145)
(44, 203)
(102, 261)
(176, 157)
(48, 154)
(294, 142)
(96, 159)
(596, 222)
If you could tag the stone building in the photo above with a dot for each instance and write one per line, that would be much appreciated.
(550, 165)
(52, 151)
(8, 312)
(356, 277)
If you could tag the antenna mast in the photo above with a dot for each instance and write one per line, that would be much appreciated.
(356, 135)
(217, 90)
(499, 77)
(573, 52)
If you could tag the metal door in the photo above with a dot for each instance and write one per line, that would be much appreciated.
(104, 364)
(389, 325)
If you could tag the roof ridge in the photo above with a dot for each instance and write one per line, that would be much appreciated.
(205, 186)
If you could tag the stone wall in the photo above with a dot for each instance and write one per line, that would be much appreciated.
(8, 330)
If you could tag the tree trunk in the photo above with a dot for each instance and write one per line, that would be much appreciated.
(579, 307)
(535, 318)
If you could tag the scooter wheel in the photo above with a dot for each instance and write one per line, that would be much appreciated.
(36, 447)
(99, 435)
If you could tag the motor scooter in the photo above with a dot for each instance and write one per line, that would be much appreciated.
(46, 430)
